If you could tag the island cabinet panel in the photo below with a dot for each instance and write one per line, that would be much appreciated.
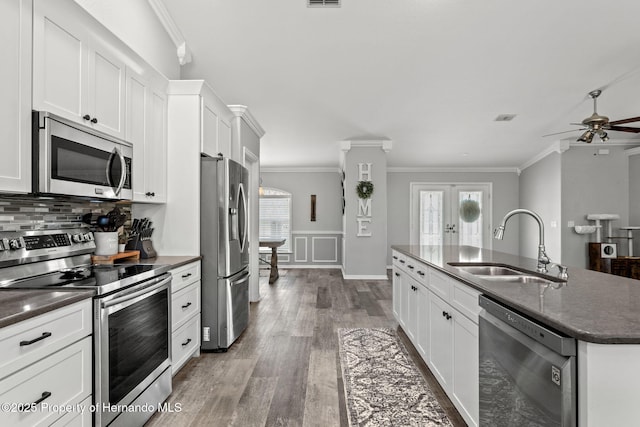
(608, 376)
(439, 314)
(441, 342)
(15, 103)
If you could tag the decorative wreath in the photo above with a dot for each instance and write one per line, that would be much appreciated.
(469, 210)
(364, 189)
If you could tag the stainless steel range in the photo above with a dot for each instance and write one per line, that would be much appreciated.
(131, 317)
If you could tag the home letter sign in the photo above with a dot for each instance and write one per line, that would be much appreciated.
(364, 205)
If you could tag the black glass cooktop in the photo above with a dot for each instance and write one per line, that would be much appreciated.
(89, 277)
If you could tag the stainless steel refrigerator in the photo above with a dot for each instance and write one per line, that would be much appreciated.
(224, 243)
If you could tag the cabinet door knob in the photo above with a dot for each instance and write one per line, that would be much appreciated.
(186, 342)
(187, 305)
(410, 266)
(184, 276)
(150, 194)
(86, 117)
(397, 274)
(402, 261)
(94, 120)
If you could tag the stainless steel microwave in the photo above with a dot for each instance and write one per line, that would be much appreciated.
(72, 160)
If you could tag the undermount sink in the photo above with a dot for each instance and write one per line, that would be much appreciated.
(503, 273)
(486, 270)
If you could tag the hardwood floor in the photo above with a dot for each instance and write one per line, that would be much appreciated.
(284, 370)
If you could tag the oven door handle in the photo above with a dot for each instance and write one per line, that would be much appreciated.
(136, 292)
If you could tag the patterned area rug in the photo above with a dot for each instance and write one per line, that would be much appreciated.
(382, 385)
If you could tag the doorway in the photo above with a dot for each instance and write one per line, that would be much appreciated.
(252, 163)
(450, 214)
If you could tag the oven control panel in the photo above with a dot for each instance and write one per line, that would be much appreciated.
(21, 246)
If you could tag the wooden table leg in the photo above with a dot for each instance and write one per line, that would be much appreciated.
(274, 265)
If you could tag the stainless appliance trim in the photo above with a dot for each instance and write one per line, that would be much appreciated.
(561, 344)
(133, 294)
(47, 125)
(101, 344)
(526, 369)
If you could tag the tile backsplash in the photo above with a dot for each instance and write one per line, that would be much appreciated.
(30, 213)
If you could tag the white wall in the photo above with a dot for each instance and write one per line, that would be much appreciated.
(136, 24)
(540, 191)
(592, 183)
(634, 199)
(505, 198)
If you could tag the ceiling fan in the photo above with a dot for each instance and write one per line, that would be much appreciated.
(596, 124)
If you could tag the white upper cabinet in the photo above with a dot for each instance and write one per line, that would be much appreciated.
(15, 102)
(216, 125)
(76, 75)
(146, 119)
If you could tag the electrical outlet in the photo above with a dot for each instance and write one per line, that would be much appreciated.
(571, 224)
(553, 224)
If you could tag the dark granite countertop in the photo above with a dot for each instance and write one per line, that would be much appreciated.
(18, 305)
(173, 261)
(591, 306)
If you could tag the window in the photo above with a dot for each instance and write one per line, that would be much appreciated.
(275, 216)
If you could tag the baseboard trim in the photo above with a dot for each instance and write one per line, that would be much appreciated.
(294, 266)
(364, 276)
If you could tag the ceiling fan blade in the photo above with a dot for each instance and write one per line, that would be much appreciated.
(624, 129)
(623, 121)
(566, 131)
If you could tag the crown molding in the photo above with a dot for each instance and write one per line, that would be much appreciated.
(182, 50)
(243, 112)
(609, 143)
(507, 169)
(557, 147)
(298, 169)
(384, 144)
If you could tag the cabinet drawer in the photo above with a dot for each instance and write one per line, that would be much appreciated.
(440, 284)
(184, 276)
(28, 341)
(184, 304)
(78, 418)
(184, 343)
(465, 300)
(64, 378)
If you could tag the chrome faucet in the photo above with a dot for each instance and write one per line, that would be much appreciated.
(543, 259)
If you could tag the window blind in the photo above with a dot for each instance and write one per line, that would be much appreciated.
(275, 220)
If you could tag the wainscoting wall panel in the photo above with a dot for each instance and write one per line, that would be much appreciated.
(300, 248)
(324, 249)
(311, 249)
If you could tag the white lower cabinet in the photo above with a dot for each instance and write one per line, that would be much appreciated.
(49, 386)
(441, 341)
(465, 381)
(440, 316)
(185, 314)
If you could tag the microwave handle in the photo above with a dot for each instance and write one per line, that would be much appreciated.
(123, 174)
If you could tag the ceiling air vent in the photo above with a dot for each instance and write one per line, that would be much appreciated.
(505, 117)
(323, 3)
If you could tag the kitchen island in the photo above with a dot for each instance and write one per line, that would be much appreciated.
(601, 311)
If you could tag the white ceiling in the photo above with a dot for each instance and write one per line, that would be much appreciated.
(430, 75)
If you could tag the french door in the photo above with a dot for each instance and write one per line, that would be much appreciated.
(450, 214)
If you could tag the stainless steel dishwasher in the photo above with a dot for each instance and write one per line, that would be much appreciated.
(527, 371)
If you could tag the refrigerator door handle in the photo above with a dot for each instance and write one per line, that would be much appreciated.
(244, 219)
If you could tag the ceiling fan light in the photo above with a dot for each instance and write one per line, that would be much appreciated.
(586, 137)
(603, 136)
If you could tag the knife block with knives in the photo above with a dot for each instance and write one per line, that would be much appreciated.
(140, 238)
